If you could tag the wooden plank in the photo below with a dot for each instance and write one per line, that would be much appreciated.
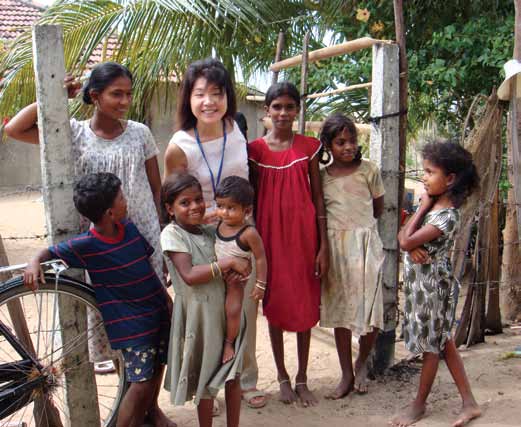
(278, 55)
(303, 85)
(404, 89)
(384, 151)
(328, 52)
(316, 126)
(340, 90)
(61, 217)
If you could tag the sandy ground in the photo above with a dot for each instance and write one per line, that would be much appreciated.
(495, 380)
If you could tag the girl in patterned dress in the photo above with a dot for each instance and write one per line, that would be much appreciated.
(431, 291)
(290, 218)
(352, 299)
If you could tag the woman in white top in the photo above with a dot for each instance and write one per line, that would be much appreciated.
(210, 146)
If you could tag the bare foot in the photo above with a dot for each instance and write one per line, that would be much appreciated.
(360, 385)
(467, 414)
(159, 419)
(228, 351)
(305, 396)
(287, 395)
(344, 387)
(409, 416)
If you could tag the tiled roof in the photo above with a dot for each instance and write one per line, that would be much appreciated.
(16, 15)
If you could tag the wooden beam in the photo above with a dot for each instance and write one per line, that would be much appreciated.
(384, 151)
(340, 90)
(278, 55)
(515, 111)
(316, 126)
(328, 52)
(62, 220)
(303, 85)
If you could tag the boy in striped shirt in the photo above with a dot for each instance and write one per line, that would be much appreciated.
(133, 302)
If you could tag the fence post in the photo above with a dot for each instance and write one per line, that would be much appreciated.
(62, 220)
(384, 151)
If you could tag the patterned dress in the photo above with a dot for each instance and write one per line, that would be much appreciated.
(125, 157)
(431, 291)
(286, 221)
(352, 290)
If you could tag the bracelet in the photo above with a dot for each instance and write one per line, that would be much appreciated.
(260, 287)
(219, 271)
(261, 282)
(213, 271)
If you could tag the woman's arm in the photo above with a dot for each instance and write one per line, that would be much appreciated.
(411, 236)
(322, 260)
(201, 274)
(175, 160)
(378, 207)
(154, 179)
(24, 125)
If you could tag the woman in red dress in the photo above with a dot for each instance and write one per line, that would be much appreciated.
(290, 217)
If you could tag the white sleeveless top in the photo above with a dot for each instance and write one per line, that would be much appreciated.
(231, 246)
(235, 159)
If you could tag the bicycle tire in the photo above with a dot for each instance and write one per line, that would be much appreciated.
(80, 292)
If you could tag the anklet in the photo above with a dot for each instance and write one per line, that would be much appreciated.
(296, 384)
(283, 381)
(227, 341)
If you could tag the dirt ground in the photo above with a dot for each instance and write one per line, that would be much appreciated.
(495, 379)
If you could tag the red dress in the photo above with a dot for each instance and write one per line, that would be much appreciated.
(286, 221)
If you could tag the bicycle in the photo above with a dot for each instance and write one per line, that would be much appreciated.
(38, 355)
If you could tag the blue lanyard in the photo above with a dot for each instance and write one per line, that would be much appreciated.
(200, 145)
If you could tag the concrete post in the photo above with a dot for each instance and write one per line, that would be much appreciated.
(61, 217)
(384, 151)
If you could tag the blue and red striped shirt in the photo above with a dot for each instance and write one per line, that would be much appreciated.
(130, 296)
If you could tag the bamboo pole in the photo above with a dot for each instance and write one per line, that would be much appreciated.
(316, 126)
(340, 90)
(278, 55)
(400, 38)
(328, 52)
(303, 84)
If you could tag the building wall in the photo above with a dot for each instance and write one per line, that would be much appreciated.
(20, 163)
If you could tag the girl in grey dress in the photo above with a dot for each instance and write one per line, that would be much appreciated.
(195, 369)
(430, 289)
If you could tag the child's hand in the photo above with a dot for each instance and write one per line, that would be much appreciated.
(426, 201)
(72, 85)
(257, 294)
(322, 262)
(419, 256)
(32, 274)
(242, 266)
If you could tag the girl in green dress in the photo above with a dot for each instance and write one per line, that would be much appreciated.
(195, 370)
(431, 291)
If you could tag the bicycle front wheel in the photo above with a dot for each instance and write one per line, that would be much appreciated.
(51, 326)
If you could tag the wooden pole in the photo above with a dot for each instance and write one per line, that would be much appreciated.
(327, 52)
(62, 220)
(341, 90)
(400, 39)
(515, 111)
(493, 320)
(303, 85)
(384, 151)
(316, 126)
(278, 55)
